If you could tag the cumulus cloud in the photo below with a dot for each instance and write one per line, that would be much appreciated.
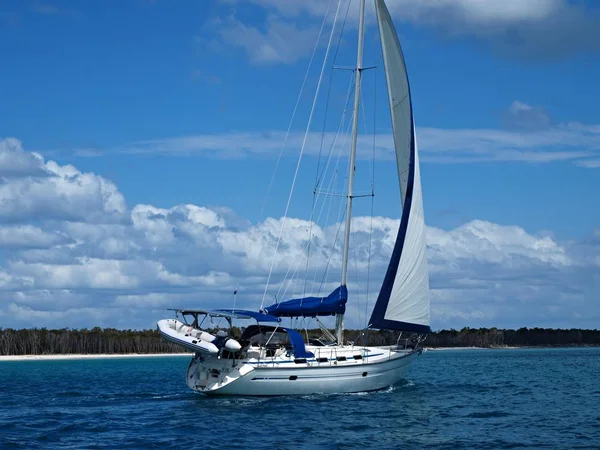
(28, 236)
(89, 269)
(34, 189)
(16, 163)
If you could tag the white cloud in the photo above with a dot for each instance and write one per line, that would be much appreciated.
(522, 115)
(15, 163)
(589, 163)
(517, 29)
(279, 42)
(492, 243)
(34, 189)
(71, 272)
(28, 236)
(532, 138)
(475, 11)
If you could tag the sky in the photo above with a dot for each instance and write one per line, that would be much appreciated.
(148, 148)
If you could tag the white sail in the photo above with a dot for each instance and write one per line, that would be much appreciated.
(399, 93)
(403, 301)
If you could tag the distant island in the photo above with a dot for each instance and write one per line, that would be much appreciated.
(113, 341)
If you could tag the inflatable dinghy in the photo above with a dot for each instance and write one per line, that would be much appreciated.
(194, 339)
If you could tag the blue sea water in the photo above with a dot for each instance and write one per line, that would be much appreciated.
(542, 398)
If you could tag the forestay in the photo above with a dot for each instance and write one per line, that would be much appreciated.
(403, 301)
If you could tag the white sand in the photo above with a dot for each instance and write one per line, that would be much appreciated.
(469, 348)
(453, 348)
(151, 355)
(87, 356)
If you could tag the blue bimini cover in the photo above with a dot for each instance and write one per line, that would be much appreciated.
(334, 303)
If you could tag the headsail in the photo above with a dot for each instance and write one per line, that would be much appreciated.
(403, 302)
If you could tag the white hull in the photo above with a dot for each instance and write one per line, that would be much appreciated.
(275, 360)
(282, 376)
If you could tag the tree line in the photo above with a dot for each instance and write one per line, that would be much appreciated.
(95, 341)
(113, 341)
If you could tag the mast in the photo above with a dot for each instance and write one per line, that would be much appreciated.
(339, 325)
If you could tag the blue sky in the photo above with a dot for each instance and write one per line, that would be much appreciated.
(187, 103)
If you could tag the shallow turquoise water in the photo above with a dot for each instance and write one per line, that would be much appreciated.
(543, 398)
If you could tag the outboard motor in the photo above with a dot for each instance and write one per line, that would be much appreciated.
(222, 341)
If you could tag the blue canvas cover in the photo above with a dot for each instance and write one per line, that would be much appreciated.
(334, 303)
(298, 344)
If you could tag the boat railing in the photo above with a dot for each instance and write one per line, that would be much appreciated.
(401, 345)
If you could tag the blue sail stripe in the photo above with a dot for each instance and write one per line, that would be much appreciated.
(378, 319)
(378, 316)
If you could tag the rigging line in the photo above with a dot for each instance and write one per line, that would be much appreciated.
(331, 253)
(291, 279)
(293, 276)
(294, 115)
(335, 171)
(317, 178)
(312, 211)
(329, 94)
(301, 152)
(372, 201)
(374, 138)
(344, 113)
(356, 275)
(316, 194)
(364, 114)
(341, 215)
(295, 108)
(329, 202)
(332, 182)
(369, 262)
(308, 246)
(235, 296)
(289, 282)
(371, 10)
(349, 93)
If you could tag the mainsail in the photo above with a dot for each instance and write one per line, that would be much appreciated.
(403, 301)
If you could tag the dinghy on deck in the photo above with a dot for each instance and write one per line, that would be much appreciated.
(195, 339)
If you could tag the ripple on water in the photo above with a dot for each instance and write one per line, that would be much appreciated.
(452, 400)
(488, 414)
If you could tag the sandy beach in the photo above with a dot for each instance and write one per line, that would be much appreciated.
(470, 348)
(86, 356)
(453, 348)
(151, 355)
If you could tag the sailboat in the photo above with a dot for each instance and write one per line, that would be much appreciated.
(271, 359)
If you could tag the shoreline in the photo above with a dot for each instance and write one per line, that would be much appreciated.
(64, 357)
(507, 347)
(476, 348)
(4, 358)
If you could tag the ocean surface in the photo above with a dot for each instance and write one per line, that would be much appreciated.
(459, 399)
